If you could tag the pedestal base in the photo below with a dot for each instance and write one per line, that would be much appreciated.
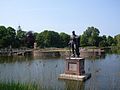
(75, 77)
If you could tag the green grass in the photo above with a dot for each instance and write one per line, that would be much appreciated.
(17, 86)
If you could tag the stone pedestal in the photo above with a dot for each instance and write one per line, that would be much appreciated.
(74, 69)
(75, 66)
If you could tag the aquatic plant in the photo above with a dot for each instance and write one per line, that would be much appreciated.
(17, 86)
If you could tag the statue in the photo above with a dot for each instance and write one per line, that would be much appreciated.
(74, 44)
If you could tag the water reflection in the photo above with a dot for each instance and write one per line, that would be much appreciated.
(96, 57)
(74, 85)
(103, 73)
(113, 50)
(13, 59)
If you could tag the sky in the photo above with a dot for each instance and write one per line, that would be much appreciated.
(62, 15)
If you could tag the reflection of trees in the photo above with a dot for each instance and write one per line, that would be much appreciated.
(11, 59)
(97, 57)
(74, 85)
(114, 50)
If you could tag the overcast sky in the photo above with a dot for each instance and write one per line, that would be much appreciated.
(62, 15)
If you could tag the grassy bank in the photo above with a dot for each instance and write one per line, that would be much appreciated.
(17, 86)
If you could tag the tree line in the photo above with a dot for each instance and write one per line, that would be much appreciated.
(9, 37)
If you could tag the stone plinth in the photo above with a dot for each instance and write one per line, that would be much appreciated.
(74, 66)
(74, 70)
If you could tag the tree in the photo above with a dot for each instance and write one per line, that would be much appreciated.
(64, 39)
(117, 39)
(11, 36)
(48, 39)
(103, 41)
(3, 34)
(7, 36)
(40, 40)
(35, 35)
(30, 39)
(83, 40)
(90, 37)
(21, 36)
(110, 41)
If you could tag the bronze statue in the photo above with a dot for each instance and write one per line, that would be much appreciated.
(74, 44)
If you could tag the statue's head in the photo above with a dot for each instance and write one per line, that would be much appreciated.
(73, 32)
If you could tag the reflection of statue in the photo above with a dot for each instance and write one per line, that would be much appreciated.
(74, 44)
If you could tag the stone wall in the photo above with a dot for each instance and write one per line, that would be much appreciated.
(66, 53)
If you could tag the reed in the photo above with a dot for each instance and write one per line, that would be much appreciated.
(17, 86)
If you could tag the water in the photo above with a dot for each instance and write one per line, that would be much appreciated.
(105, 72)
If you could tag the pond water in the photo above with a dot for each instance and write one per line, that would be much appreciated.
(44, 73)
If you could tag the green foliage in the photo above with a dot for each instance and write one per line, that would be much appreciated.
(64, 39)
(52, 39)
(21, 36)
(3, 33)
(48, 39)
(40, 40)
(11, 35)
(35, 35)
(83, 41)
(17, 86)
(110, 41)
(117, 39)
(103, 41)
(115, 50)
(7, 36)
(90, 37)
(30, 39)
(106, 41)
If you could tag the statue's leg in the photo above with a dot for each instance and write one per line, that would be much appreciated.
(77, 51)
(73, 52)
